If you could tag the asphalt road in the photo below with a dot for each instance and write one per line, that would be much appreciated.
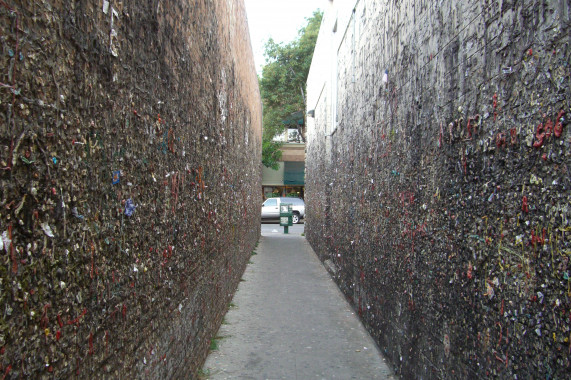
(272, 228)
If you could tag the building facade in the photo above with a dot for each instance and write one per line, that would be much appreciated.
(289, 179)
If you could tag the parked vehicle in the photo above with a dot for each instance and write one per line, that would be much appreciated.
(271, 208)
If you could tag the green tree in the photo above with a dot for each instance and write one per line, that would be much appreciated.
(283, 85)
(271, 153)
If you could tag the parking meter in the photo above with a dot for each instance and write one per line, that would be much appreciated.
(286, 214)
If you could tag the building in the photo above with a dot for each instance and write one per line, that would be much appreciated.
(289, 179)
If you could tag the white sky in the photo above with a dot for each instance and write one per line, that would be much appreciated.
(279, 19)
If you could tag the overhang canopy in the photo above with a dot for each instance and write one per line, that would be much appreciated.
(295, 118)
(294, 173)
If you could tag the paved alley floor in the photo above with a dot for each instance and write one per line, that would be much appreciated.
(288, 320)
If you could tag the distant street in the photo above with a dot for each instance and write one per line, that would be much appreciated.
(275, 228)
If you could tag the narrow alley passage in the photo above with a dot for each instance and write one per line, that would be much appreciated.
(288, 320)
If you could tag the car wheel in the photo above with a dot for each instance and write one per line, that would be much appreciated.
(295, 218)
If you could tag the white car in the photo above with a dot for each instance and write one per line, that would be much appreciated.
(271, 208)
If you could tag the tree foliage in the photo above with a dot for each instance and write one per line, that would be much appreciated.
(283, 84)
(271, 153)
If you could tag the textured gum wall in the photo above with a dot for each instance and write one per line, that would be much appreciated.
(443, 208)
(130, 137)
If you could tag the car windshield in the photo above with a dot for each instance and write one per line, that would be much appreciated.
(271, 202)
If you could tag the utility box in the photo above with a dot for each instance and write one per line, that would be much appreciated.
(286, 214)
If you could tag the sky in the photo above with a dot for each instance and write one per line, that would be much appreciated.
(279, 19)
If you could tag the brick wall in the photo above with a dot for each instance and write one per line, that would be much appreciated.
(437, 184)
(130, 137)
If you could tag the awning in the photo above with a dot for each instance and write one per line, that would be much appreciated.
(294, 119)
(294, 173)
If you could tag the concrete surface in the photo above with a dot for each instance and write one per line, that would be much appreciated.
(288, 320)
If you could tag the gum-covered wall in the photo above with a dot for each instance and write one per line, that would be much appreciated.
(130, 136)
(438, 183)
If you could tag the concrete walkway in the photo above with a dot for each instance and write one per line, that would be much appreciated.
(290, 321)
